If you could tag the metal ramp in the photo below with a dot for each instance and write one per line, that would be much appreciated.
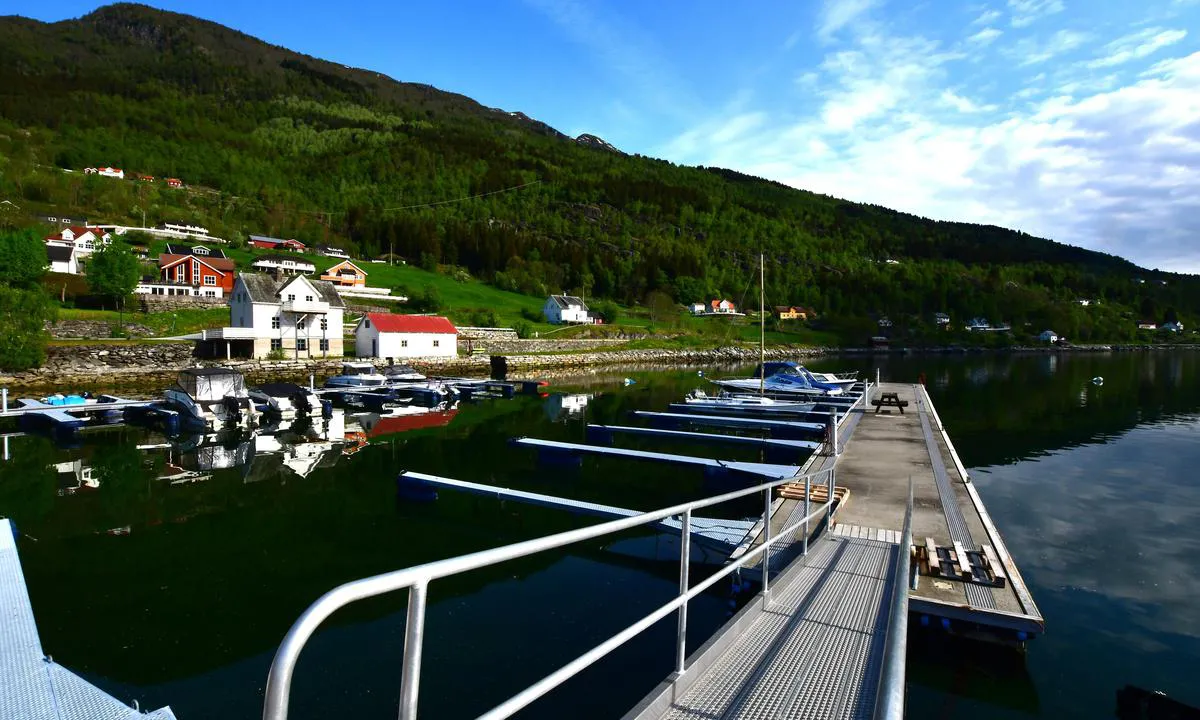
(33, 687)
(816, 651)
(552, 447)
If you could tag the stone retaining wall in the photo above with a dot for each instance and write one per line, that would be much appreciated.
(88, 329)
(168, 303)
(479, 334)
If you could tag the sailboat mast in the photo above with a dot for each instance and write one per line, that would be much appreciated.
(762, 330)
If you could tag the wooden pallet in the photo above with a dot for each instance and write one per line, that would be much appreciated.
(820, 493)
(957, 563)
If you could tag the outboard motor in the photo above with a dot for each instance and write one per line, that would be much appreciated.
(299, 402)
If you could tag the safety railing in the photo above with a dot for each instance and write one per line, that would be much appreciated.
(417, 579)
(889, 701)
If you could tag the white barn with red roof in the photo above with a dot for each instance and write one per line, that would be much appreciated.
(388, 335)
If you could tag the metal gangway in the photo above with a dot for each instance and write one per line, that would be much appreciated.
(824, 638)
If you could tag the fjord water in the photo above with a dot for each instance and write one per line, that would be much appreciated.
(1093, 487)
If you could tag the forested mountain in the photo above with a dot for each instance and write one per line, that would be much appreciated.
(275, 142)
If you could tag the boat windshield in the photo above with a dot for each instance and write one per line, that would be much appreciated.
(776, 368)
(358, 369)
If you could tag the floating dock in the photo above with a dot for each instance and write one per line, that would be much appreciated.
(553, 450)
(32, 686)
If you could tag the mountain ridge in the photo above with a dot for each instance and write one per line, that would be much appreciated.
(296, 145)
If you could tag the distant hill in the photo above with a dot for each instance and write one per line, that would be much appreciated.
(272, 141)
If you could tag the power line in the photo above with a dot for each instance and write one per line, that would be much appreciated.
(462, 199)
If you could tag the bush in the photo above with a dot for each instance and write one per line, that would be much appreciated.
(428, 262)
(524, 329)
(531, 315)
(116, 331)
(23, 315)
(276, 354)
(609, 310)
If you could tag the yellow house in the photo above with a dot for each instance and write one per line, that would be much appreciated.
(346, 274)
(793, 313)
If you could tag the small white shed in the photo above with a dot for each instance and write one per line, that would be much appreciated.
(388, 335)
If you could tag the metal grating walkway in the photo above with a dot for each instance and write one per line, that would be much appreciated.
(32, 687)
(816, 652)
(978, 595)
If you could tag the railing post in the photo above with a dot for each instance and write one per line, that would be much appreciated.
(766, 562)
(876, 376)
(685, 559)
(4, 395)
(414, 635)
(807, 505)
(836, 451)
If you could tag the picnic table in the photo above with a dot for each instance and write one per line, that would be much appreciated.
(889, 399)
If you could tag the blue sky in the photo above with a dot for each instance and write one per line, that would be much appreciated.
(1074, 120)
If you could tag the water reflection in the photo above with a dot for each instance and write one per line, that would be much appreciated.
(560, 406)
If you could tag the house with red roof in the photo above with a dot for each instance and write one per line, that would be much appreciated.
(212, 276)
(390, 335)
(85, 240)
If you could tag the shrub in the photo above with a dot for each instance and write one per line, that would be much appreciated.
(524, 329)
(276, 354)
(531, 315)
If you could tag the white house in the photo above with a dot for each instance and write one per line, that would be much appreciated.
(62, 259)
(183, 227)
(722, 307)
(697, 308)
(287, 264)
(105, 172)
(85, 239)
(560, 309)
(333, 252)
(388, 335)
(941, 318)
(1147, 326)
(298, 316)
(1048, 336)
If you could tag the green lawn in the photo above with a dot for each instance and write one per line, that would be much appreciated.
(172, 323)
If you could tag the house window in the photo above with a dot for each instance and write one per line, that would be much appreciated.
(276, 344)
(200, 250)
(324, 344)
(435, 343)
(210, 293)
(324, 323)
(403, 343)
(291, 298)
(301, 344)
(210, 279)
(195, 268)
(303, 323)
(308, 298)
(275, 323)
(180, 273)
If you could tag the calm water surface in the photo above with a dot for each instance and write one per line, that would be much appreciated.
(171, 573)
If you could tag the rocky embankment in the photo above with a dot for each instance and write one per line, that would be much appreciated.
(155, 365)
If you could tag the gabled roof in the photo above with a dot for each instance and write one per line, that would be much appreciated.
(221, 265)
(343, 263)
(390, 322)
(262, 288)
(60, 253)
(565, 301)
(181, 249)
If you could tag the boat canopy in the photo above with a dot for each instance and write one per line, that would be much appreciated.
(208, 384)
(782, 367)
(358, 368)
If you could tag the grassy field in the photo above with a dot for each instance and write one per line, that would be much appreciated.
(163, 324)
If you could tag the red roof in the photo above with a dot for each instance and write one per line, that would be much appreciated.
(404, 423)
(389, 322)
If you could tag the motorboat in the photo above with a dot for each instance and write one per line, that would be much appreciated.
(402, 373)
(357, 375)
(781, 378)
(212, 399)
(287, 400)
(699, 400)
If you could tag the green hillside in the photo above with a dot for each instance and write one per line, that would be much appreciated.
(273, 142)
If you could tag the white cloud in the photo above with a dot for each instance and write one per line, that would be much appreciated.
(837, 14)
(987, 17)
(1031, 50)
(1104, 161)
(1027, 12)
(1136, 46)
(984, 36)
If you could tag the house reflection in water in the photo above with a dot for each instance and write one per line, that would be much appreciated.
(560, 406)
(73, 476)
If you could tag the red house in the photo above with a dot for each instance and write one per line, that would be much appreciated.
(200, 272)
(270, 243)
(174, 182)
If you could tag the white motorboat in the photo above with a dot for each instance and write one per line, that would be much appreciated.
(212, 398)
(402, 373)
(699, 400)
(842, 380)
(781, 378)
(287, 400)
(357, 375)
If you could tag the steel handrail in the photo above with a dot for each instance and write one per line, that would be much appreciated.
(417, 579)
(889, 700)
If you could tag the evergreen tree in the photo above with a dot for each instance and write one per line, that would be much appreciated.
(113, 272)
